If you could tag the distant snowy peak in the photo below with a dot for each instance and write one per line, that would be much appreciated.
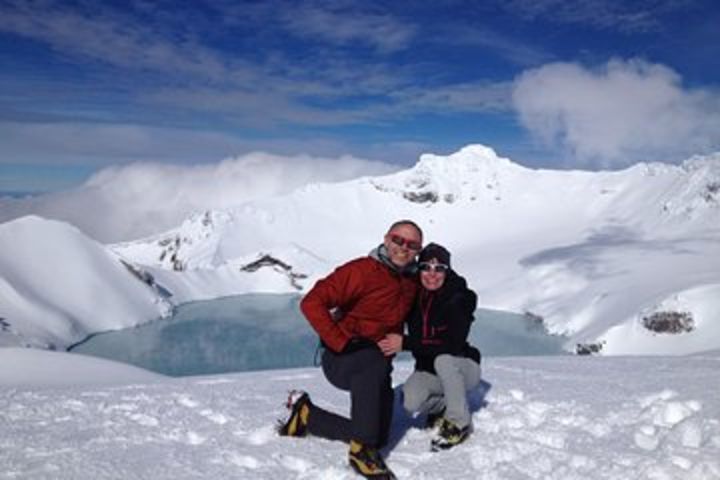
(472, 173)
(471, 159)
(694, 195)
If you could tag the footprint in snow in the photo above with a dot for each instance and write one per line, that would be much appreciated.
(243, 461)
(145, 420)
(194, 438)
(672, 413)
(215, 417)
(295, 464)
(186, 401)
(262, 435)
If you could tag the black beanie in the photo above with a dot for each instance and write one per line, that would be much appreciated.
(438, 252)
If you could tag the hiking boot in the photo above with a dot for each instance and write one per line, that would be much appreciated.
(298, 402)
(368, 462)
(449, 436)
(434, 420)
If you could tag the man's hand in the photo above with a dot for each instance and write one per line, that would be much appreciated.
(390, 344)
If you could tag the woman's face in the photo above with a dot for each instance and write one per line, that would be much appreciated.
(432, 274)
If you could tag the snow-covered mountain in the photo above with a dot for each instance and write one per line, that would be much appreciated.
(615, 260)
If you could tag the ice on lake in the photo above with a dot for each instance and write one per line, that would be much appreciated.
(267, 331)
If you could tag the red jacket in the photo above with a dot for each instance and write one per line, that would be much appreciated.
(372, 299)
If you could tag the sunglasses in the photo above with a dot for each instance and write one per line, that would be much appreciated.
(433, 267)
(404, 242)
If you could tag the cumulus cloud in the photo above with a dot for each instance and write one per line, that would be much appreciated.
(137, 200)
(622, 113)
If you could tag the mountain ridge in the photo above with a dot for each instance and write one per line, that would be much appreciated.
(589, 252)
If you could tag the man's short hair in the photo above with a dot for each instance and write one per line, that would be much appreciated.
(406, 222)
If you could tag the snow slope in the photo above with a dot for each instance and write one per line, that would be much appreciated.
(33, 368)
(57, 286)
(534, 418)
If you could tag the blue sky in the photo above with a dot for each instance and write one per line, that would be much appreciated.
(548, 83)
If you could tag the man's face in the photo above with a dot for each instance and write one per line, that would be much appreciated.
(403, 243)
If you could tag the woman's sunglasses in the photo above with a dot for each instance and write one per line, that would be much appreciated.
(433, 267)
(404, 242)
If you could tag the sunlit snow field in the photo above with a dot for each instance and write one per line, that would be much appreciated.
(534, 418)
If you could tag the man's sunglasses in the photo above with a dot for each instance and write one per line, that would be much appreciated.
(434, 267)
(404, 242)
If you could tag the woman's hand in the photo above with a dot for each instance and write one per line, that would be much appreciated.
(390, 344)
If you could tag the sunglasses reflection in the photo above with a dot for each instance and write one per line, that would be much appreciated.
(433, 267)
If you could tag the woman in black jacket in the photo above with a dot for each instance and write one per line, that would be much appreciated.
(446, 365)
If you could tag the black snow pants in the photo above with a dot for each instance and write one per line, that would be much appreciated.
(366, 375)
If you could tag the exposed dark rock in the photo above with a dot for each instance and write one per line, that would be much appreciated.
(378, 187)
(171, 247)
(138, 273)
(272, 262)
(146, 278)
(535, 319)
(4, 325)
(207, 219)
(669, 322)
(177, 264)
(449, 198)
(421, 197)
(418, 183)
(265, 261)
(588, 348)
(711, 191)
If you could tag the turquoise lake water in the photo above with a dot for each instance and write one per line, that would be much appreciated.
(267, 331)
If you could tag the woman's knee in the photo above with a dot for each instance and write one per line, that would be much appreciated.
(444, 363)
(413, 398)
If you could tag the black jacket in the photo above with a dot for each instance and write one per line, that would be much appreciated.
(439, 322)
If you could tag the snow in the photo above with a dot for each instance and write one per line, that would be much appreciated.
(592, 253)
(533, 418)
(42, 368)
(58, 286)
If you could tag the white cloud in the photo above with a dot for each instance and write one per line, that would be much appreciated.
(499, 44)
(347, 26)
(624, 112)
(103, 144)
(111, 38)
(132, 201)
(462, 97)
(618, 15)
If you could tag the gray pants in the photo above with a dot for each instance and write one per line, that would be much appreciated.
(424, 392)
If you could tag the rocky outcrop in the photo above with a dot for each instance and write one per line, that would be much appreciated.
(268, 261)
(669, 322)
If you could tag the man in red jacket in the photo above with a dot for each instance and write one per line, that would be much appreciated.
(352, 309)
